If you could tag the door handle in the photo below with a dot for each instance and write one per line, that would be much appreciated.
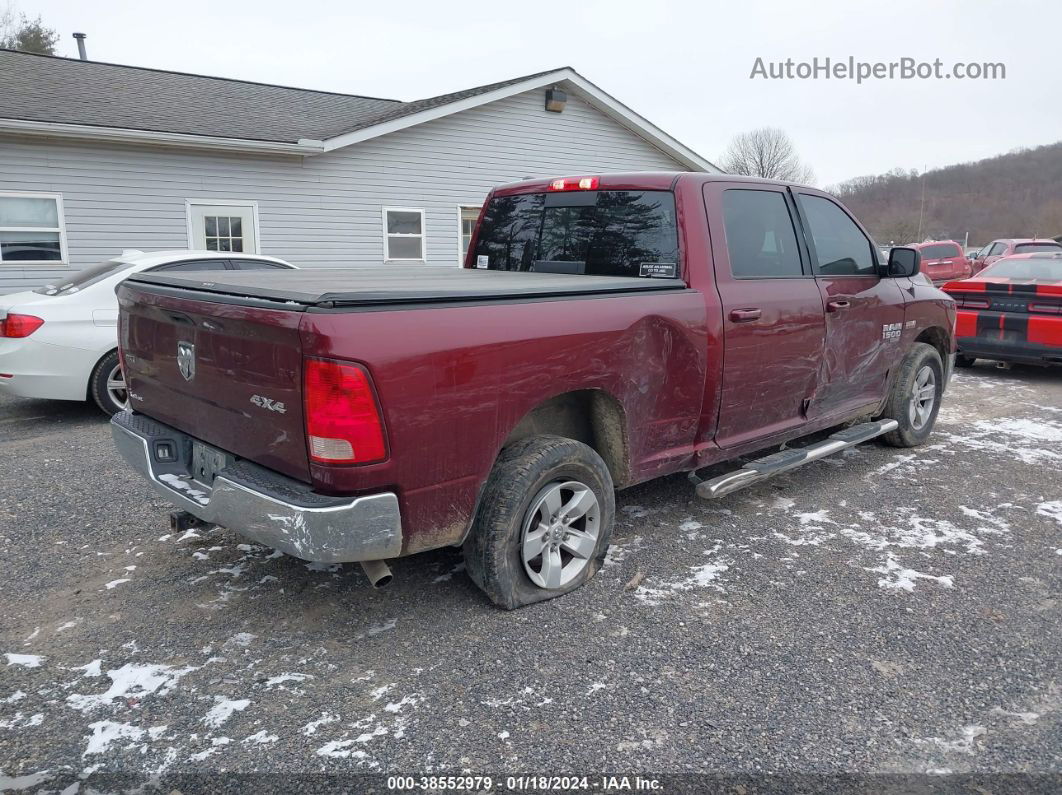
(744, 315)
(837, 305)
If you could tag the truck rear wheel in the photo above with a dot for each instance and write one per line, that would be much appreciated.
(915, 397)
(544, 521)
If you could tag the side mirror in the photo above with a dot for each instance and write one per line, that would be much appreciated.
(904, 261)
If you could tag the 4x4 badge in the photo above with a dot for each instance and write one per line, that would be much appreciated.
(186, 360)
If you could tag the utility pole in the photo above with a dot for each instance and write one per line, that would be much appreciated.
(922, 210)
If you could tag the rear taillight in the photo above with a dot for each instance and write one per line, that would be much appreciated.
(343, 424)
(971, 302)
(1046, 309)
(574, 183)
(19, 325)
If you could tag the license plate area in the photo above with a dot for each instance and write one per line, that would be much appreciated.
(207, 461)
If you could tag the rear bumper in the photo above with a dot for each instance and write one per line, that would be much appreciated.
(261, 504)
(1022, 352)
(41, 370)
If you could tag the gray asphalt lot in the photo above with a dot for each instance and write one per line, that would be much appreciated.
(884, 611)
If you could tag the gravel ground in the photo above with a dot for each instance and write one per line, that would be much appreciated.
(888, 610)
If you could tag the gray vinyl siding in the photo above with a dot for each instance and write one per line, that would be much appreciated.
(321, 211)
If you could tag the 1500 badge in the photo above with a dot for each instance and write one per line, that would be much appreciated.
(891, 331)
(267, 403)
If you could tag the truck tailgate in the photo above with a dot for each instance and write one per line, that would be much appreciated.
(228, 375)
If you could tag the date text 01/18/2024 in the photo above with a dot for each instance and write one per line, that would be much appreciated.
(524, 783)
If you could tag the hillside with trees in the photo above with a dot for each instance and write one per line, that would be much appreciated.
(1018, 194)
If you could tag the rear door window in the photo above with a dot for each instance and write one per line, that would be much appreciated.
(760, 238)
(840, 247)
(193, 265)
(256, 265)
(604, 233)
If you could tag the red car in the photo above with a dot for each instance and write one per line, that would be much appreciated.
(943, 260)
(1005, 247)
(1011, 311)
(605, 330)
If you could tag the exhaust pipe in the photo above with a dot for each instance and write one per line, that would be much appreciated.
(378, 572)
(1004, 366)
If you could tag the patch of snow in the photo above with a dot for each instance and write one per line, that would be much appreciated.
(1051, 509)
(25, 660)
(132, 680)
(281, 678)
(223, 710)
(965, 744)
(105, 732)
(701, 577)
(261, 738)
(116, 583)
(340, 749)
(90, 669)
(312, 727)
(241, 639)
(899, 578)
(412, 699)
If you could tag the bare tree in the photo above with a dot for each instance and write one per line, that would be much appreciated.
(19, 32)
(766, 152)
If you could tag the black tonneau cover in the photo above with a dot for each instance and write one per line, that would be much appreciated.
(397, 284)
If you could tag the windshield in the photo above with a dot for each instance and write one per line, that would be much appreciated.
(1048, 268)
(84, 278)
(1033, 248)
(604, 233)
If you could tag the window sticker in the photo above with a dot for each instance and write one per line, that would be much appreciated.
(482, 260)
(658, 270)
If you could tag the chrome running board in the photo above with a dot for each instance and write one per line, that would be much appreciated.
(785, 460)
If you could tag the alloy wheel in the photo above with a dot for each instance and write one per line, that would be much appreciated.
(560, 533)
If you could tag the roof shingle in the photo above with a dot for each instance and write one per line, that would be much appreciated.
(69, 91)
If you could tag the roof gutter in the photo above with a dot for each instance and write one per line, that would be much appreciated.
(124, 135)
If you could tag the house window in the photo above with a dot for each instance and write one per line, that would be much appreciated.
(224, 233)
(31, 228)
(468, 218)
(403, 234)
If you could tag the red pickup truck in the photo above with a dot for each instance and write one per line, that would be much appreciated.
(606, 330)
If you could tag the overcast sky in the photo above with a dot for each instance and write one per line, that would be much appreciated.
(684, 66)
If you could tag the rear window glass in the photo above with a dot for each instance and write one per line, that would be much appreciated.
(940, 251)
(1048, 268)
(83, 279)
(603, 233)
(1033, 248)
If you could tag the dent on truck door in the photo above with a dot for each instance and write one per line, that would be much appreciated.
(864, 312)
(772, 315)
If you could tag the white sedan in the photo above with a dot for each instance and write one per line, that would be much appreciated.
(60, 341)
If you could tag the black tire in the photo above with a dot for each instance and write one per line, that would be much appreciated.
(899, 404)
(964, 361)
(524, 470)
(97, 387)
